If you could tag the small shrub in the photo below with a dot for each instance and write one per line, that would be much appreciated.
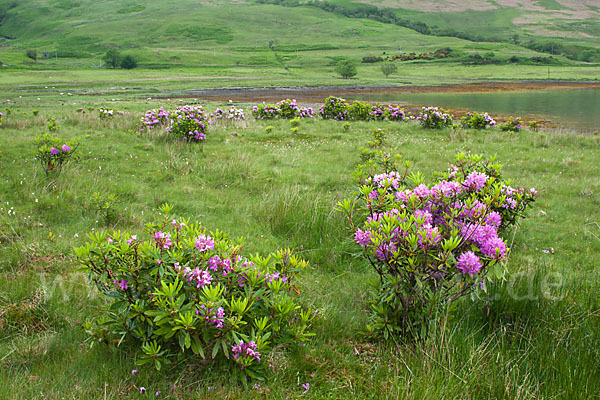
(395, 114)
(295, 122)
(53, 126)
(295, 129)
(154, 118)
(534, 126)
(371, 59)
(32, 53)
(378, 112)
(477, 121)
(108, 113)
(289, 109)
(188, 123)
(35, 113)
(53, 154)
(434, 118)
(334, 108)
(346, 126)
(265, 111)
(512, 125)
(234, 114)
(286, 109)
(105, 206)
(181, 293)
(268, 129)
(359, 111)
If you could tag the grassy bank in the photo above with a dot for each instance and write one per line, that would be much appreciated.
(536, 336)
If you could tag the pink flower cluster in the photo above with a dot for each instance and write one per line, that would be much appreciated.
(198, 276)
(204, 243)
(243, 350)
(64, 148)
(163, 240)
(217, 264)
(432, 213)
(213, 315)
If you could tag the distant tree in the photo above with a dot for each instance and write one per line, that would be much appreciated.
(31, 53)
(389, 68)
(346, 68)
(128, 62)
(112, 58)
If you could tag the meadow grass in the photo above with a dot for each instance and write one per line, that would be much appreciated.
(534, 336)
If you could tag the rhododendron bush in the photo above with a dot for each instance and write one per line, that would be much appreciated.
(188, 123)
(434, 118)
(286, 109)
(430, 244)
(53, 153)
(477, 120)
(183, 293)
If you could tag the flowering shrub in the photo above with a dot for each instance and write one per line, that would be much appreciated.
(334, 108)
(395, 114)
(234, 114)
(378, 112)
(265, 111)
(184, 293)
(512, 125)
(53, 153)
(1, 115)
(286, 109)
(432, 244)
(189, 123)
(154, 118)
(434, 118)
(477, 121)
(107, 113)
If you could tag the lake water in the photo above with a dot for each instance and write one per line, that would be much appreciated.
(570, 108)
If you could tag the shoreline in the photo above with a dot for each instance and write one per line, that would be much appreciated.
(315, 95)
(308, 93)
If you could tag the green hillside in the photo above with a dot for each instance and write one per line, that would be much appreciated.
(568, 27)
(231, 41)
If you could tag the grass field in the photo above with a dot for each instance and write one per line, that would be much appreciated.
(536, 336)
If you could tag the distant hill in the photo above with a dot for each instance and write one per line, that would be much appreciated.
(295, 34)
